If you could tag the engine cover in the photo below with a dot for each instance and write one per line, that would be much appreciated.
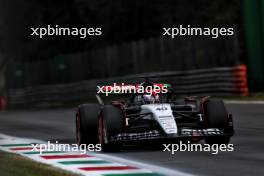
(162, 113)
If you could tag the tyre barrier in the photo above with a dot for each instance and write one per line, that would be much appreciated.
(240, 73)
(2, 103)
(220, 81)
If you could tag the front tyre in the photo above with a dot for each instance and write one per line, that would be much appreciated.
(86, 124)
(216, 117)
(110, 124)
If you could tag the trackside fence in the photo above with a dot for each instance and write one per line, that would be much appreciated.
(218, 81)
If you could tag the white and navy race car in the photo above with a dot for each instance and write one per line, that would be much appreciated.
(153, 118)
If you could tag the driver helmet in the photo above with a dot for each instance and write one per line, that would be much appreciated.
(150, 99)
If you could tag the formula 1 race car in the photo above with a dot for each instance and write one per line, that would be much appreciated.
(153, 118)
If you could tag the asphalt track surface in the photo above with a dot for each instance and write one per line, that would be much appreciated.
(247, 159)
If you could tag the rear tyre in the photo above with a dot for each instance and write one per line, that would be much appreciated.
(216, 117)
(110, 124)
(86, 124)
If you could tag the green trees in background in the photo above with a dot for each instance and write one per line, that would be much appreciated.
(254, 27)
(122, 21)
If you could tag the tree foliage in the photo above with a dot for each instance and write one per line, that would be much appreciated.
(121, 20)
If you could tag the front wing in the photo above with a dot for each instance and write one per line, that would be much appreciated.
(183, 133)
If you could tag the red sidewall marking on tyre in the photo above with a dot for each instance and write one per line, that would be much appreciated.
(78, 127)
(100, 131)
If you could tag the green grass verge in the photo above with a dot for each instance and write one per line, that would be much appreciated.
(15, 165)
